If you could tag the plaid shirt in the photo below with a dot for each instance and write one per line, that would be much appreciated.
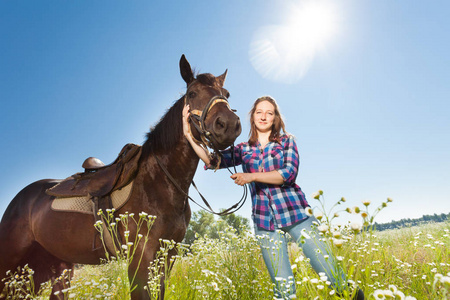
(285, 202)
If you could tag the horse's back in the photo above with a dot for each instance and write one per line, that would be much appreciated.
(22, 203)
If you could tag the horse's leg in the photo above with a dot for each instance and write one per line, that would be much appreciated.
(142, 273)
(63, 273)
(48, 267)
(165, 275)
(138, 276)
(15, 243)
(9, 261)
(138, 271)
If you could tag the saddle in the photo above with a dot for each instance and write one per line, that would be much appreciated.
(100, 180)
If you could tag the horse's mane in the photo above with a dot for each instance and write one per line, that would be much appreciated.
(166, 133)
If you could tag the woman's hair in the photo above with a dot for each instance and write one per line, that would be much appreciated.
(277, 125)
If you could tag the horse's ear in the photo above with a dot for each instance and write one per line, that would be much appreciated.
(221, 78)
(185, 70)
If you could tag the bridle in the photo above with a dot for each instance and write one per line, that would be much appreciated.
(197, 116)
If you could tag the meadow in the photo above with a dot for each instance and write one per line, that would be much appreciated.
(408, 263)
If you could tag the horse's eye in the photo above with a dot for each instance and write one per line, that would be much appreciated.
(192, 94)
(227, 95)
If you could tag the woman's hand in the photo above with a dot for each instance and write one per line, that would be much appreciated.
(242, 178)
(272, 177)
(202, 153)
(186, 127)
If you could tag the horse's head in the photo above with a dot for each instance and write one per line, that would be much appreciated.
(212, 120)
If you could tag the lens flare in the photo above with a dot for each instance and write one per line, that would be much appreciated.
(285, 52)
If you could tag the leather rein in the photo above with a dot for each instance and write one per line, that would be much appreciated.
(206, 141)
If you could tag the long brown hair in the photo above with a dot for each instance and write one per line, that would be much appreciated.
(277, 126)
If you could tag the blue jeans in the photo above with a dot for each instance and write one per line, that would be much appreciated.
(275, 254)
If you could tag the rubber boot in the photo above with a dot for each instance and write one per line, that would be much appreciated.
(359, 295)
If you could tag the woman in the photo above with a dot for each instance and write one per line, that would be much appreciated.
(270, 164)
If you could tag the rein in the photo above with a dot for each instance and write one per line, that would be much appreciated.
(226, 212)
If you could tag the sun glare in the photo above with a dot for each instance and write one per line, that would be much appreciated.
(315, 21)
(285, 52)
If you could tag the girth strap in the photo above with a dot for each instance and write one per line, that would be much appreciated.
(110, 242)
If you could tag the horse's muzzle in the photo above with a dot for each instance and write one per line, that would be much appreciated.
(225, 129)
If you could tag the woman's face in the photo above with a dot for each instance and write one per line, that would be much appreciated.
(263, 116)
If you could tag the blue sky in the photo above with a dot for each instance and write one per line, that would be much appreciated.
(369, 111)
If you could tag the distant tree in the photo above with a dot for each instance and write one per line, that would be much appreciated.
(413, 222)
(203, 223)
(237, 222)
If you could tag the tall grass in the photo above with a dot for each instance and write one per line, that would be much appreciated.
(404, 263)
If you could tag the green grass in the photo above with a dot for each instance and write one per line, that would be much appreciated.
(394, 264)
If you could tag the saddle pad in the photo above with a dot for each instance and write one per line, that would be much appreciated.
(86, 206)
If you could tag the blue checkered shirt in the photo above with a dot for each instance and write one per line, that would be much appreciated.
(286, 203)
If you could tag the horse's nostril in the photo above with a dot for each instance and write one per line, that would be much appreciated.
(219, 124)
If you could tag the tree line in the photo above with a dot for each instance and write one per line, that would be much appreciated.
(412, 222)
(204, 223)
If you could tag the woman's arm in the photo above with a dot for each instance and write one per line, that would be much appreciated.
(284, 175)
(291, 160)
(272, 177)
(201, 152)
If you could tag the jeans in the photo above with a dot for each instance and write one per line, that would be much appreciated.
(275, 254)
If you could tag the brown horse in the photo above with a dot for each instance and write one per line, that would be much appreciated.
(50, 241)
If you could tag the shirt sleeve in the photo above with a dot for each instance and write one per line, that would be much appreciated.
(227, 159)
(291, 161)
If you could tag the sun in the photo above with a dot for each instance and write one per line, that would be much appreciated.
(313, 23)
(285, 52)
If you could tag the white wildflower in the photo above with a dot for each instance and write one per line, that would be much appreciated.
(356, 227)
(379, 294)
(323, 228)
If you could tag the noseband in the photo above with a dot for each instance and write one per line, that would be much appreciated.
(199, 123)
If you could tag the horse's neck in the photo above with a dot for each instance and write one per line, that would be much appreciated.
(180, 162)
(183, 162)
